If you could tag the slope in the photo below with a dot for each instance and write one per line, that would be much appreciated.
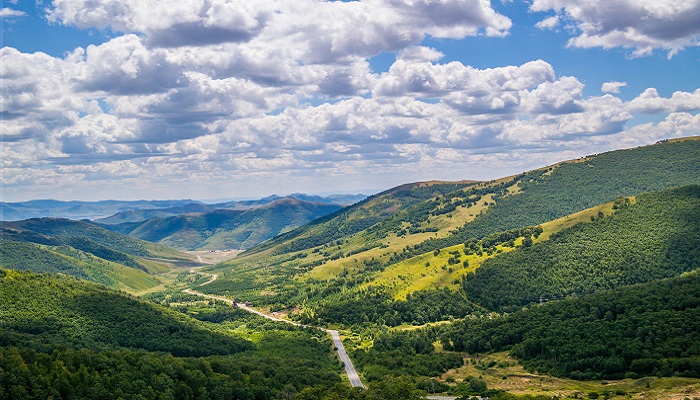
(647, 329)
(409, 234)
(86, 251)
(657, 236)
(67, 229)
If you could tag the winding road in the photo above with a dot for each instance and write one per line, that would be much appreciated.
(342, 354)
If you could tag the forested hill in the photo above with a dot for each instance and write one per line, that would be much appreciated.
(34, 230)
(412, 238)
(524, 200)
(656, 236)
(47, 311)
(63, 338)
(642, 330)
(569, 187)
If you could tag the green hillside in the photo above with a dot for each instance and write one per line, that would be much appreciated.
(25, 256)
(75, 339)
(64, 229)
(657, 236)
(86, 251)
(67, 311)
(647, 329)
(412, 238)
(226, 229)
(563, 189)
(360, 216)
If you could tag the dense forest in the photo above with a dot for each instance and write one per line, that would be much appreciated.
(75, 339)
(656, 237)
(647, 329)
(408, 353)
(419, 308)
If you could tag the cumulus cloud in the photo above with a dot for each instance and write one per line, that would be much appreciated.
(181, 23)
(422, 78)
(649, 102)
(671, 25)
(612, 87)
(330, 27)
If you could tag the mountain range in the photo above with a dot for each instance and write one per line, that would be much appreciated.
(117, 211)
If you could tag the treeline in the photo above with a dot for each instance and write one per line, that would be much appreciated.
(360, 216)
(658, 237)
(419, 308)
(134, 374)
(648, 329)
(418, 215)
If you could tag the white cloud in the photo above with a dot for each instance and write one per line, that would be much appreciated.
(649, 102)
(548, 23)
(9, 13)
(612, 87)
(645, 25)
(165, 23)
(424, 79)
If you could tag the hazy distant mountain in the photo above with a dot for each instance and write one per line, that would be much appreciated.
(146, 214)
(227, 228)
(118, 211)
(80, 209)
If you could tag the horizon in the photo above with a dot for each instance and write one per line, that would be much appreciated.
(367, 193)
(222, 99)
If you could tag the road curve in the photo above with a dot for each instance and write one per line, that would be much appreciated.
(344, 358)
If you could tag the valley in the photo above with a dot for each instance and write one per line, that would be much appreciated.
(576, 280)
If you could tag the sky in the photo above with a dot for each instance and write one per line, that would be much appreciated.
(204, 99)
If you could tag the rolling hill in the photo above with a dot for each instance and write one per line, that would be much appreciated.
(227, 228)
(86, 251)
(654, 237)
(413, 237)
(61, 337)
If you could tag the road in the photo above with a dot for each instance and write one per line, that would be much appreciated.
(342, 354)
(349, 368)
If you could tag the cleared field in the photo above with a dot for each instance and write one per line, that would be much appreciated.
(500, 371)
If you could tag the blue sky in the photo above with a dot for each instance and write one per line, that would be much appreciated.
(132, 99)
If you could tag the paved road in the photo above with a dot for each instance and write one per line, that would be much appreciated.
(349, 367)
(441, 397)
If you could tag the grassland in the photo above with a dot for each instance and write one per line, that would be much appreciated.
(501, 371)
